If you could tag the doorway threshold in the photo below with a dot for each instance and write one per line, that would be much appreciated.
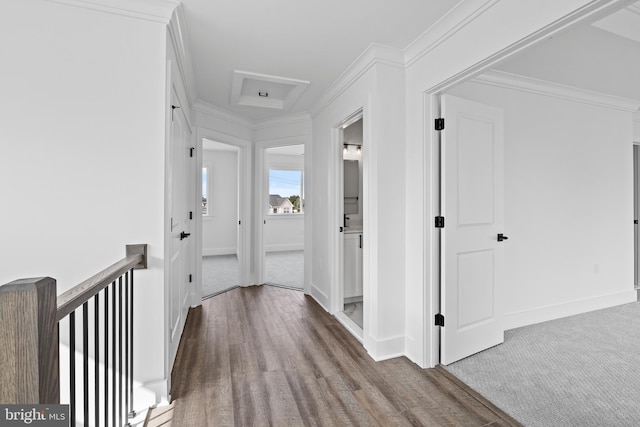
(351, 326)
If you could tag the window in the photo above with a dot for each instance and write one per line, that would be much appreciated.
(286, 191)
(205, 191)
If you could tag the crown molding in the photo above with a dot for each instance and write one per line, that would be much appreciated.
(148, 10)
(289, 119)
(465, 12)
(375, 54)
(222, 114)
(556, 90)
(179, 39)
(635, 8)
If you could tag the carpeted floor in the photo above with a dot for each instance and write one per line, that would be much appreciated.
(222, 272)
(219, 273)
(284, 268)
(581, 371)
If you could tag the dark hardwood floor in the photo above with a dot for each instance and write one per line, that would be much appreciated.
(264, 356)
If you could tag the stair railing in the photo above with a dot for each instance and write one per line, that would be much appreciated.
(30, 318)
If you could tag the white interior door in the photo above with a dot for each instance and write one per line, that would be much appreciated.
(473, 205)
(179, 165)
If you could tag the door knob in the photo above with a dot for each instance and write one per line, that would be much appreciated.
(184, 235)
(502, 237)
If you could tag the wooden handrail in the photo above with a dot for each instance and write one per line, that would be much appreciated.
(73, 298)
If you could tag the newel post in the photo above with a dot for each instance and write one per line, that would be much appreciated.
(29, 355)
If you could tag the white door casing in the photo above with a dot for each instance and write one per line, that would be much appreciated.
(473, 207)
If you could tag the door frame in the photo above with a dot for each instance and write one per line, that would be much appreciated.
(431, 105)
(244, 201)
(261, 194)
(337, 291)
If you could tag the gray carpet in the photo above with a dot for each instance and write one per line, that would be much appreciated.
(284, 268)
(219, 273)
(582, 371)
(222, 272)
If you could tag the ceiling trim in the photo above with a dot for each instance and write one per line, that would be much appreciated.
(148, 10)
(219, 113)
(179, 39)
(456, 19)
(284, 120)
(375, 54)
(556, 90)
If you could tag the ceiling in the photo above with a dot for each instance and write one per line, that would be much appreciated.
(603, 56)
(308, 41)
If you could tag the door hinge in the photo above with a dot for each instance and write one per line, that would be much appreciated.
(190, 278)
(190, 214)
(439, 320)
(173, 107)
(439, 222)
(439, 124)
(191, 149)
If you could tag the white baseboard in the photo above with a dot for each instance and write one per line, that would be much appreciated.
(286, 247)
(219, 251)
(320, 297)
(150, 393)
(557, 311)
(386, 348)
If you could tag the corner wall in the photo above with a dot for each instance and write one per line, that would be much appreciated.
(377, 92)
(82, 153)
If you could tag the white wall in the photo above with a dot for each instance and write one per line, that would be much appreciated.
(220, 228)
(377, 93)
(82, 157)
(474, 35)
(568, 204)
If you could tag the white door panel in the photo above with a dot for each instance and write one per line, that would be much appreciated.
(180, 200)
(472, 261)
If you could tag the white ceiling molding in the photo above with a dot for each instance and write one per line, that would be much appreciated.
(179, 39)
(266, 91)
(219, 113)
(374, 54)
(624, 23)
(148, 10)
(556, 90)
(283, 121)
(457, 18)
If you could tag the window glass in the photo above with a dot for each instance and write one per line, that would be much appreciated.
(286, 191)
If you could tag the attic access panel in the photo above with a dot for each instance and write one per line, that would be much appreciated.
(262, 90)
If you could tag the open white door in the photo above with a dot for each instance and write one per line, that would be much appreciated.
(473, 205)
(179, 168)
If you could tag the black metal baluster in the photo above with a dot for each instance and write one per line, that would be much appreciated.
(120, 350)
(106, 356)
(96, 362)
(113, 355)
(126, 346)
(85, 362)
(72, 366)
(133, 412)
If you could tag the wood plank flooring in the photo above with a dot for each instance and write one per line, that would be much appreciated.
(267, 356)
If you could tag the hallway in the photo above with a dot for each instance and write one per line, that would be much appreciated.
(271, 356)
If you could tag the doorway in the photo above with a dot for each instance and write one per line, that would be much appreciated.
(283, 216)
(349, 304)
(636, 214)
(221, 218)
